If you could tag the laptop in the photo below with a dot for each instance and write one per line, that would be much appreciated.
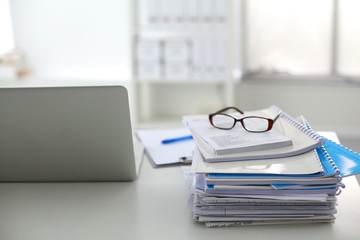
(75, 133)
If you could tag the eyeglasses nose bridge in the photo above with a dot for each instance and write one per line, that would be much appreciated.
(241, 121)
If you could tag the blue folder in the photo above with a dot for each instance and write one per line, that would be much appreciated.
(341, 158)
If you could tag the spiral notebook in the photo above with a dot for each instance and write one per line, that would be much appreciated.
(303, 139)
(343, 160)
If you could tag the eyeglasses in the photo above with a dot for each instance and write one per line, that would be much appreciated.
(256, 124)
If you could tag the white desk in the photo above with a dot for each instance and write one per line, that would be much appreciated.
(153, 207)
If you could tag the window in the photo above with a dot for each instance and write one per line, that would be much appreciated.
(6, 39)
(302, 37)
(349, 38)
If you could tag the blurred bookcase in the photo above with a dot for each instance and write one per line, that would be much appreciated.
(185, 53)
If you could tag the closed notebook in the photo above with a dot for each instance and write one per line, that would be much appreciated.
(303, 140)
(312, 165)
(302, 164)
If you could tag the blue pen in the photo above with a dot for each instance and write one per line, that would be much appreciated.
(178, 139)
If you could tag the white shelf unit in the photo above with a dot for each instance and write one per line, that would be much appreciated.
(164, 98)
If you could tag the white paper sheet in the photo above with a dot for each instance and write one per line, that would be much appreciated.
(163, 154)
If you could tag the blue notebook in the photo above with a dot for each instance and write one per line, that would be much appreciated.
(336, 157)
(340, 158)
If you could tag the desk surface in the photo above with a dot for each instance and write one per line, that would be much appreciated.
(152, 207)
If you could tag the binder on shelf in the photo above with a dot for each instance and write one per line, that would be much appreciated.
(192, 14)
(205, 14)
(196, 19)
(148, 50)
(149, 13)
(221, 62)
(197, 59)
(176, 51)
(176, 71)
(164, 16)
(208, 59)
(170, 14)
(149, 70)
(221, 14)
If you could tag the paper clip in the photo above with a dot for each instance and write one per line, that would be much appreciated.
(185, 160)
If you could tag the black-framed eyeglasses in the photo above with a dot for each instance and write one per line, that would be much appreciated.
(256, 124)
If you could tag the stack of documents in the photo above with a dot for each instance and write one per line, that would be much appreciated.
(293, 184)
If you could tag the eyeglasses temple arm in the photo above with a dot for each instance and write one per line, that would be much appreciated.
(228, 108)
(276, 118)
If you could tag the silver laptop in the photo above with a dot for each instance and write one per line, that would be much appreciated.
(67, 134)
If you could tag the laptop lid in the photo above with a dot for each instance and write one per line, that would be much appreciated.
(66, 134)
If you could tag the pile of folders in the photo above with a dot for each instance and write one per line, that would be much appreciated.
(292, 184)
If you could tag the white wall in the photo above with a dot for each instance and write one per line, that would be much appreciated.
(81, 39)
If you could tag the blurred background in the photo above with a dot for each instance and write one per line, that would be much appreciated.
(181, 57)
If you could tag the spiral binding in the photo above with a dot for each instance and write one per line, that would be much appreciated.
(339, 190)
(333, 166)
(308, 131)
(350, 150)
(330, 160)
(325, 153)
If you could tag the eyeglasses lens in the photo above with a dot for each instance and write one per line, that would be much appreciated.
(254, 124)
(223, 121)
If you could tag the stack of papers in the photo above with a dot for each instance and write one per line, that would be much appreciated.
(283, 185)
